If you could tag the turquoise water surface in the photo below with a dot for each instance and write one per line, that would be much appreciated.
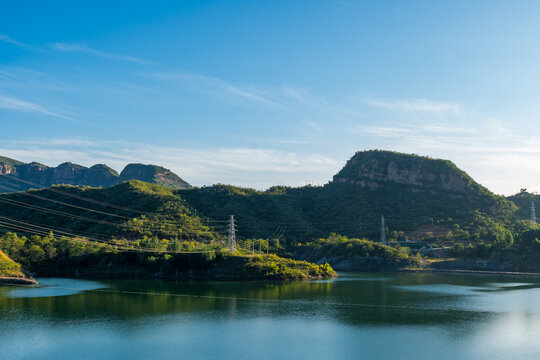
(357, 316)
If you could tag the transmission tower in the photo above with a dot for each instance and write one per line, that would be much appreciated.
(533, 214)
(383, 231)
(232, 235)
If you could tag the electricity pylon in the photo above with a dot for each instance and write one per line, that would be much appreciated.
(232, 235)
(533, 214)
(383, 231)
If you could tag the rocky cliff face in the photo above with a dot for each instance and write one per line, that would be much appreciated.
(23, 176)
(373, 169)
(7, 165)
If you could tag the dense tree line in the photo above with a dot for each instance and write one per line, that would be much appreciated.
(65, 256)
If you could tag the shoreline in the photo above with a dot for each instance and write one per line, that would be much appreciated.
(179, 277)
(17, 281)
(471, 272)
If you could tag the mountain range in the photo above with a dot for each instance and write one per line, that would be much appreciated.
(23, 176)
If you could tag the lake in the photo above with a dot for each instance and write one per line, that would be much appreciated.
(357, 316)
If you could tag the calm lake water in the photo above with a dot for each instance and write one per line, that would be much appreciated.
(358, 316)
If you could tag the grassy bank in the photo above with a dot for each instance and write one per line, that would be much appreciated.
(9, 268)
(10, 272)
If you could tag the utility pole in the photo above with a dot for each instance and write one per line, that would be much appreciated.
(533, 214)
(232, 234)
(383, 231)
(260, 243)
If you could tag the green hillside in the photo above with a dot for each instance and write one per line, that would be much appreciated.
(408, 190)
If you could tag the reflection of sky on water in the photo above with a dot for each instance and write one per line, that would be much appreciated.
(269, 337)
(509, 285)
(495, 297)
(50, 287)
(515, 334)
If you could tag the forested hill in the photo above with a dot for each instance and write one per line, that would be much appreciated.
(21, 176)
(408, 190)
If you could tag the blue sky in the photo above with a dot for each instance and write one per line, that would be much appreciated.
(256, 93)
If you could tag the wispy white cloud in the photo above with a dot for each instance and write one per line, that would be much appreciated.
(306, 98)
(215, 86)
(382, 131)
(303, 96)
(490, 152)
(502, 161)
(13, 77)
(8, 39)
(11, 103)
(417, 105)
(284, 97)
(83, 48)
(74, 47)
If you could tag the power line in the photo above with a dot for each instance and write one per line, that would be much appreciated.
(103, 203)
(57, 212)
(67, 204)
(83, 218)
(81, 207)
(51, 189)
(58, 230)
